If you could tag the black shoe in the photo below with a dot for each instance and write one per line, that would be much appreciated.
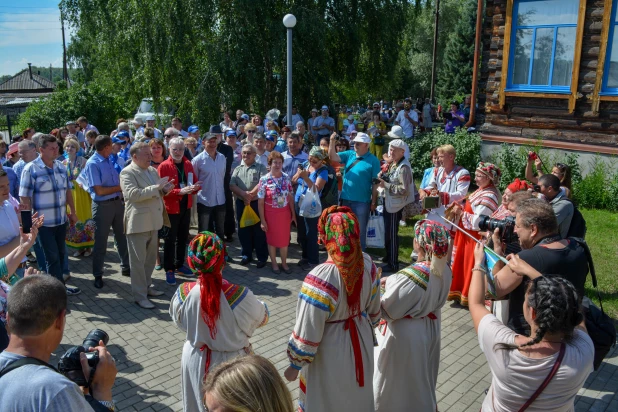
(229, 238)
(229, 259)
(384, 259)
(126, 272)
(389, 269)
(98, 282)
(303, 262)
(260, 265)
(245, 261)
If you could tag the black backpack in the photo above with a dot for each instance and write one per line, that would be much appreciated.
(330, 191)
(600, 327)
(578, 223)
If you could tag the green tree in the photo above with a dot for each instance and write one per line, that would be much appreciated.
(455, 74)
(231, 53)
(100, 106)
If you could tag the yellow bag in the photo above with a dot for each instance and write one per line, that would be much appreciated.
(249, 217)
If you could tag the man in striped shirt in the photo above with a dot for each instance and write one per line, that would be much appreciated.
(45, 189)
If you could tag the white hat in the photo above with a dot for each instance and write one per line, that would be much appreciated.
(150, 118)
(400, 144)
(396, 132)
(362, 138)
(314, 110)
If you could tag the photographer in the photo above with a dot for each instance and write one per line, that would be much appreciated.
(36, 317)
(545, 251)
(399, 191)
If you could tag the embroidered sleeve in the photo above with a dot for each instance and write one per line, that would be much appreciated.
(374, 304)
(484, 205)
(316, 303)
(250, 312)
(177, 304)
(463, 183)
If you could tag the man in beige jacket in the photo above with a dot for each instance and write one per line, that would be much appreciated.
(144, 215)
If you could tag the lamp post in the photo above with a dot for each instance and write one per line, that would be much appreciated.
(289, 21)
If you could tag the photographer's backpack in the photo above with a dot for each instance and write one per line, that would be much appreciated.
(330, 191)
(600, 326)
(578, 223)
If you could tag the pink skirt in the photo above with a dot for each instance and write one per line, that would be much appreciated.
(279, 221)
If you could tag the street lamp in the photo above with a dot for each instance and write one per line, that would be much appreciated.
(289, 21)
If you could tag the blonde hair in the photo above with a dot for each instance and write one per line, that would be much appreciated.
(250, 126)
(248, 384)
(190, 140)
(70, 141)
(447, 149)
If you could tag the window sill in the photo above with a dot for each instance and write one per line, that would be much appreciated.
(608, 97)
(538, 94)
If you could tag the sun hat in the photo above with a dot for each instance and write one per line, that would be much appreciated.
(396, 132)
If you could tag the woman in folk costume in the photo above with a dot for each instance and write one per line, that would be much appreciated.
(338, 307)
(483, 202)
(218, 317)
(408, 355)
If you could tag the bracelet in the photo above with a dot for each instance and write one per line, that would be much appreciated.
(479, 269)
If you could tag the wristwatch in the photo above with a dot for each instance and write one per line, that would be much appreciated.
(108, 404)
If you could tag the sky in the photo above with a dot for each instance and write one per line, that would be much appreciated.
(30, 33)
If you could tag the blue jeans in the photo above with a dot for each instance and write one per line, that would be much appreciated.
(65, 264)
(51, 239)
(311, 242)
(361, 210)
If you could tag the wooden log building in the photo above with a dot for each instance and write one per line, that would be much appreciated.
(550, 69)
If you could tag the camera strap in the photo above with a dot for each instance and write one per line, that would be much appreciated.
(25, 361)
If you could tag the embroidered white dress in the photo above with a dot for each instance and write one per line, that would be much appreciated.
(241, 313)
(408, 355)
(452, 186)
(330, 347)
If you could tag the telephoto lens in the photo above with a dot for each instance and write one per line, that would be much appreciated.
(70, 365)
(93, 338)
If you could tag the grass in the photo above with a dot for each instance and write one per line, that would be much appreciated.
(602, 238)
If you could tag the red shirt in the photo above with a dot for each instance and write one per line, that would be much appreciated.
(167, 168)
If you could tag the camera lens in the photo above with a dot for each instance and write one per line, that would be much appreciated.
(93, 338)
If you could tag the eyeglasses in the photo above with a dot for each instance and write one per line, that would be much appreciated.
(168, 135)
(250, 131)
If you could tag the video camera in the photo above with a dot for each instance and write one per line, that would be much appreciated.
(69, 364)
(506, 227)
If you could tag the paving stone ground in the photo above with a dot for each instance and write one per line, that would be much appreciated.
(148, 346)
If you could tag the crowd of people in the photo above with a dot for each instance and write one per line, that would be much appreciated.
(362, 340)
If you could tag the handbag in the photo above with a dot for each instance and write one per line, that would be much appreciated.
(375, 231)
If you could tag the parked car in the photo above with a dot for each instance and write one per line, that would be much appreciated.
(163, 113)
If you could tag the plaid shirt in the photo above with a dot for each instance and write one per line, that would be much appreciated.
(47, 187)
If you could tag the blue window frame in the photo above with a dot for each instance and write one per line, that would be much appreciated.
(610, 71)
(543, 36)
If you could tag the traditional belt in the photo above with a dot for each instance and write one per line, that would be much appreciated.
(358, 356)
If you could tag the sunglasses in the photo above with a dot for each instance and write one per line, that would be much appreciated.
(250, 131)
(168, 135)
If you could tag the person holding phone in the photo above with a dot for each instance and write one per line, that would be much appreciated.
(407, 119)
(453, 119)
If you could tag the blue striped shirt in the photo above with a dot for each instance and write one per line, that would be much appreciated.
(100, 171)
(47, 187)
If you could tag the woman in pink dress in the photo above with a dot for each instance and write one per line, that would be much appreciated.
(276, 207)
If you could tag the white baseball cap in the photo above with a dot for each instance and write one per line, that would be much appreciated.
(362, 138)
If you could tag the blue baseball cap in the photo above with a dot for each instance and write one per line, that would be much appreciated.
(116, 140)
(193, 128)
(123, 134)
(231, 132)
(272, 134)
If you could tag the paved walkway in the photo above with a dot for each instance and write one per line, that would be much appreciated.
(148, 346)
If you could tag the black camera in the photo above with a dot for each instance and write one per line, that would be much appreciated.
(69, 364)
(301, 167)
(506, 227)
(337, 137)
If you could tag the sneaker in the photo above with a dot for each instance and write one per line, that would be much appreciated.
(403, 223)
(73, 291)
(170, 278)
(87, 253)
(185, 271)
(66, 276)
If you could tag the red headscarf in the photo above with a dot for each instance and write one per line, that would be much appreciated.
(206, 258)
(338, 229)
(518, 185)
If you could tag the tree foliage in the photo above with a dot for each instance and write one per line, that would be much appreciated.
(455, 77)
(205, 53)
(100, 106)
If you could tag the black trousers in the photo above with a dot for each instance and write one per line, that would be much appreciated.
(230, 222)
(251, 237)
(391, 237)
(175, 246)
(301, 232)
(211, 219)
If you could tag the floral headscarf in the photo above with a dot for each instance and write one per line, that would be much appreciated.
(318, 153)
(338, 229)
(490, 170)
(434, 238)
(206, 258)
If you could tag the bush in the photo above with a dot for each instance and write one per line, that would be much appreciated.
(467, 145)
(100, 106)
(598, 190)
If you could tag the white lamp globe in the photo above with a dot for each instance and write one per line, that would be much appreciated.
(289, 21)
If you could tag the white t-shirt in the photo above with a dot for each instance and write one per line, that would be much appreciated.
(515, 377)
(406, 125)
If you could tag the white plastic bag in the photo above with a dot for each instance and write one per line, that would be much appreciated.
(310, 205)
(375, 231)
